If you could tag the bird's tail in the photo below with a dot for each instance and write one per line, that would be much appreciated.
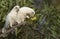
(3, 30)
(5, 27)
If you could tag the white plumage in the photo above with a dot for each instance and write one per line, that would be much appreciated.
(18, 15)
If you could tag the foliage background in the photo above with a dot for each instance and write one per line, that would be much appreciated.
(47, 24)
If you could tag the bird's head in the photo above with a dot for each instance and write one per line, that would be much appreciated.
(28, 12)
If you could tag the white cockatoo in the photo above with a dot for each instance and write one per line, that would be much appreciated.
(11, 18)
(18, 15)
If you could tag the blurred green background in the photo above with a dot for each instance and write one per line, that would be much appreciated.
(47, 24)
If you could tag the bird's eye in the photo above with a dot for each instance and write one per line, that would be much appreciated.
(32, 13)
